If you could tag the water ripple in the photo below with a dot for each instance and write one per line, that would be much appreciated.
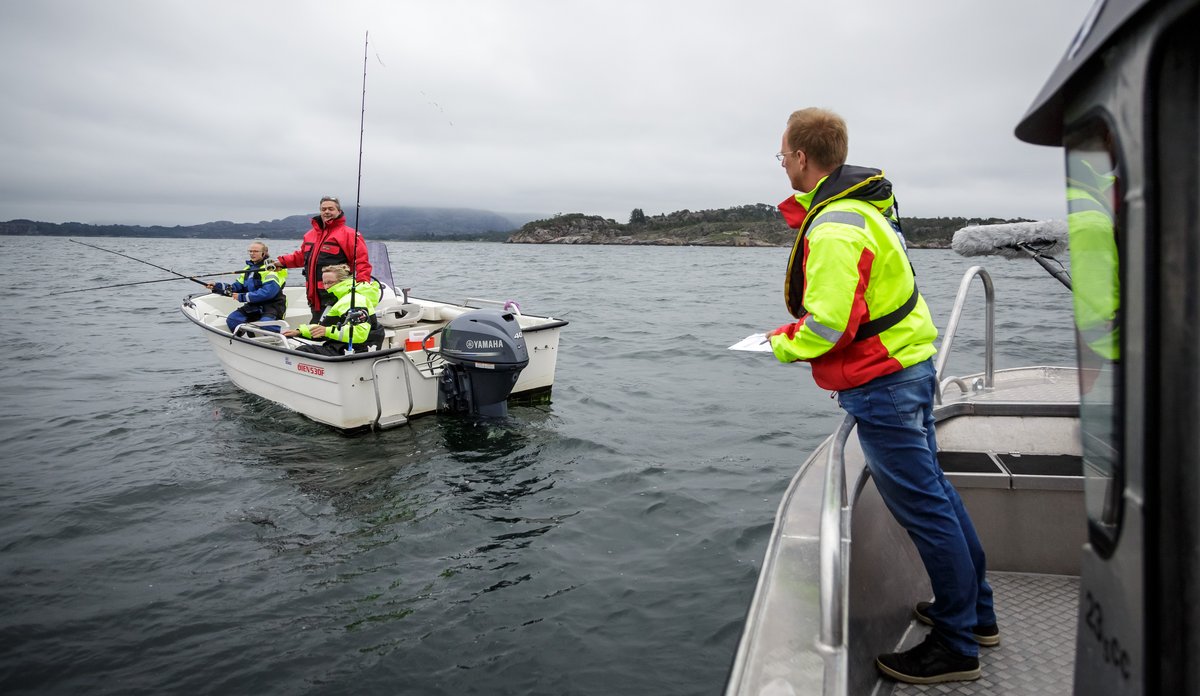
(165, 532)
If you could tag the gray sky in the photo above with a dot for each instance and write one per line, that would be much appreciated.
(180, 111)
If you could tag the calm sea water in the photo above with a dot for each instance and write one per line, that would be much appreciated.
(163, 532)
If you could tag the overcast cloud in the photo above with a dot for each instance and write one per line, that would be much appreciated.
(180, 112)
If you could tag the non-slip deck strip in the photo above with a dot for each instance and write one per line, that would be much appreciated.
(1036, 655)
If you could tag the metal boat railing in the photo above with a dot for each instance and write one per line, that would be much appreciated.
(426, 368)
(259, 331)
(834, 549)
(834, 564)
(375, 386)
(507, 305)
(989, 361)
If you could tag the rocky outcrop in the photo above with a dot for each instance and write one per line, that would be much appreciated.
(568, 229)
(683, 228)
(757, 225)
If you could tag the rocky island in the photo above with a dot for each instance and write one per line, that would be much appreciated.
(755, 225)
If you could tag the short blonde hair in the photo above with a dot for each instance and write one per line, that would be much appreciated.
(341, 270)
(821, 134)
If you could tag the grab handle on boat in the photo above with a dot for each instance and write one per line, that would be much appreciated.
(258, 330)
(989, 294)
(506, 305)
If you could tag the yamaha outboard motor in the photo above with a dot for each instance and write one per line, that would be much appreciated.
(485, 353)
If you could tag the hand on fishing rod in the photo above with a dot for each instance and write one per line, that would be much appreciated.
(220, 289)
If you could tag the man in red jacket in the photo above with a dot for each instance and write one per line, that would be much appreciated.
(329, 242)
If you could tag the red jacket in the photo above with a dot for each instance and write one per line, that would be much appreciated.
(334, 244)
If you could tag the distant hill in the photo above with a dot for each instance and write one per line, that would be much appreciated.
(757, 224)
(383, 222)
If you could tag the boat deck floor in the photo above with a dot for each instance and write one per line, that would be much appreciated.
(1037, 615)
(1027, 385)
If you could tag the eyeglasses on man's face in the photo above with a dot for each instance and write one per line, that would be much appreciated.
(781, 156)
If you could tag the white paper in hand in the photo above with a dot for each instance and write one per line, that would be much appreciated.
(754, 343)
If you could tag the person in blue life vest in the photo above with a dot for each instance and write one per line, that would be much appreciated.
(259, 287)
(343, 323)
(868, 335)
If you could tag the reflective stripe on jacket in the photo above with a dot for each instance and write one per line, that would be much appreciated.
(1095, 272)
(264, 289)
(366, 296)
(849, 266)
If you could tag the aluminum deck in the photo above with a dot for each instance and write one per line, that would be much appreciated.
(1037, 615)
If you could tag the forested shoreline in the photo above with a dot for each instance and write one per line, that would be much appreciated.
(753, 225)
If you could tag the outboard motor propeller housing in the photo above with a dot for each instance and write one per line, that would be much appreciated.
(484, 352)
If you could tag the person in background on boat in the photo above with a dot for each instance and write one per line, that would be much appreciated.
(260, 287)
(1095, 261)
(343, 323)
(868, 336)
(329, 242)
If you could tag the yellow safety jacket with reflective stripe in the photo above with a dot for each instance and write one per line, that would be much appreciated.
(1095, 274)
(849, 267)
(254, 281)
(279, 275)
(366, 296)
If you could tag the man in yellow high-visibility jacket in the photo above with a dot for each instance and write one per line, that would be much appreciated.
(868, 334)
(1095, 263)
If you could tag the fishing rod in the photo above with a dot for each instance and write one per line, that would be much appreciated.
(141, 261)
(143, 282)
(362, 120)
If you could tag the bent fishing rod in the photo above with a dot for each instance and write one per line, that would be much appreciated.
(362, 121)
(201, 282)
(143, 282)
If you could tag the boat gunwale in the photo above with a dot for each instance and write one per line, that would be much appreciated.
(550, 324)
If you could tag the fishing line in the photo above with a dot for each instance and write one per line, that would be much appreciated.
(161, 268)
(143, 282)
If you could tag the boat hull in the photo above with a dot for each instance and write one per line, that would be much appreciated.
(378, 389)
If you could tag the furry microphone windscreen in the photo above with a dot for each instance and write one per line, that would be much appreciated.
(1046, 236)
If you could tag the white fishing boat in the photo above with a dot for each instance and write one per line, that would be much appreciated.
(1081, 479)
(377, 389)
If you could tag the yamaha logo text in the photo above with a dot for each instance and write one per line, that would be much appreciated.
(480, 344)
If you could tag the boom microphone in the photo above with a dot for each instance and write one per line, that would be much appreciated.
(1046, 237)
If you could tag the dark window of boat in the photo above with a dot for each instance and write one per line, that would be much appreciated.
(1094, 221)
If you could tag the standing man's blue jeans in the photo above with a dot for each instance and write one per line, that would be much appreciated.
(895, 429)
